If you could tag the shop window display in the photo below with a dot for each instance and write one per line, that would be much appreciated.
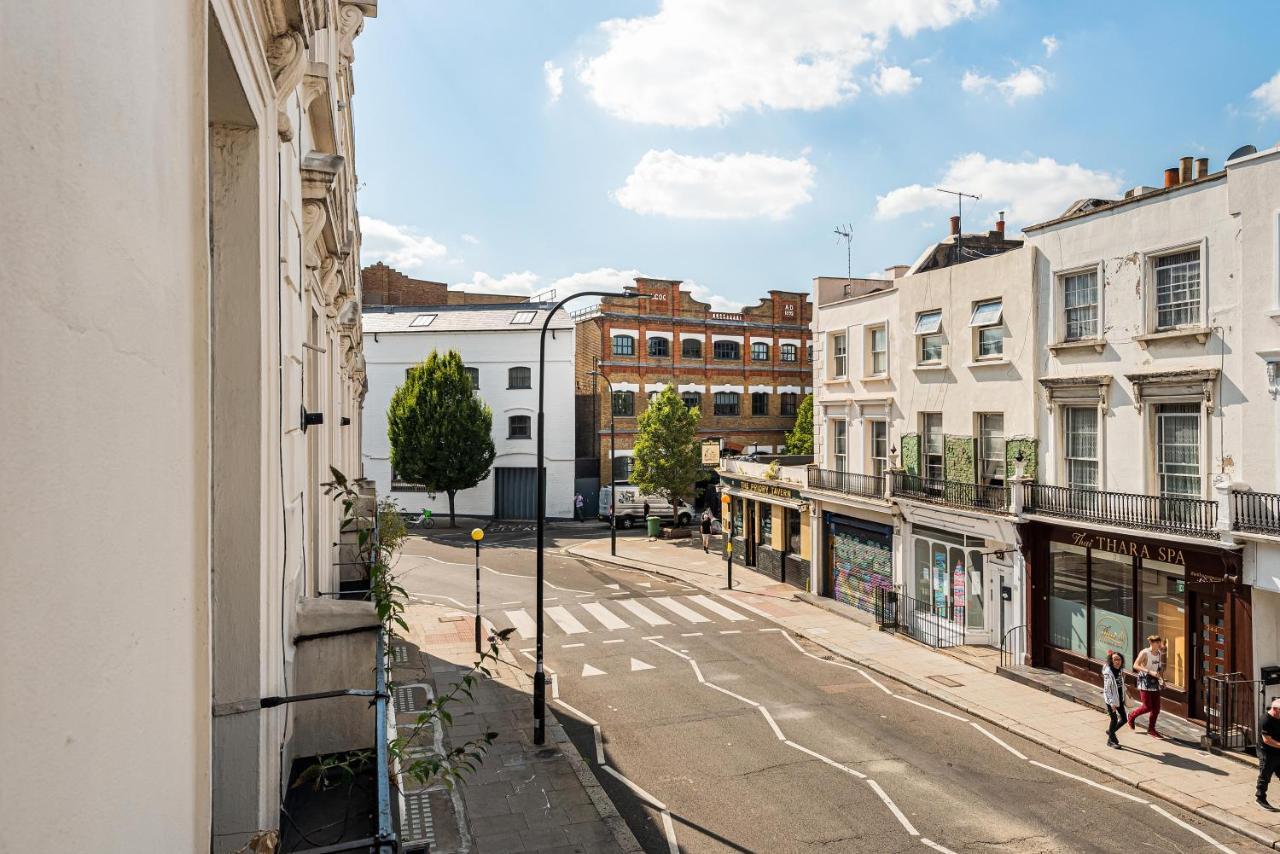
(861, 564)
(1068, 597)
(1110, 604)
(1163, 588)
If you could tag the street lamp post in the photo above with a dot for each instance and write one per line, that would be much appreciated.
(539, 672)
(728, 546)
(477, 535)
(613, 491)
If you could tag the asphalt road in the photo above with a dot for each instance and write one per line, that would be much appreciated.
(713, 730)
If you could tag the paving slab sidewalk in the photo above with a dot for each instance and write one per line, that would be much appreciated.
(1214, 787)
(523, 797)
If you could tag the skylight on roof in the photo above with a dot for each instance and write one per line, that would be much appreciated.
(523, 317)
(422, 320)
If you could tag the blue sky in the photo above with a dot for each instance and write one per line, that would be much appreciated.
(517, 146)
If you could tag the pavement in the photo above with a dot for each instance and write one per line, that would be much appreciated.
(1216, 788)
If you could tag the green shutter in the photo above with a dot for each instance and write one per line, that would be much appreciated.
(1029, 448)
(911, 453)
(957, 459)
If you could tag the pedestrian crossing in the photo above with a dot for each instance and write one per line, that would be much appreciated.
(582, 618)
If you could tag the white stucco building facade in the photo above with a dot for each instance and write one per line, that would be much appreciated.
(499, 346)
(180, 282)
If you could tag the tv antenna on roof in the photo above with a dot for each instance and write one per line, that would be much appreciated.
(960, 197)
(845, 233)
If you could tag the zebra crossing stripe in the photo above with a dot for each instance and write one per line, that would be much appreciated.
(716, 608)
(680, 610)
(524, 624)
(566, 621)
(644, 613)
(604, 616)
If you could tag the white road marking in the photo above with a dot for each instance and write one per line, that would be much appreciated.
(679, 610)
(644, 583)
(773, 725)
(669, 649)
(614, 586)
(669, 829)
(991, 736)
(691, 635)
(716, 608)
(644, 613)
(604, 616)
(637, 664)
(528, 578)
(857, 670)
(641, 793)
(571, 645)
(510, 603)
(731, 631)
(1197, 831)
(829, 761)
(697, 671)
(615, 640)
(555, 687)
(585, 595)
(588, 670)
(1089, 782)
(936, 847)
(524, 624)
(932, 708)
(893, 808)
(651, 637)
(586, 719)
(738, 697)
(565, 620)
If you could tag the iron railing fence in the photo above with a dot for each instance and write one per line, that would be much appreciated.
(850, 483)
(1193, 517)
(1231, 711)
(1013, 647)
(975, 496)
(1256, 512)
(921, 621)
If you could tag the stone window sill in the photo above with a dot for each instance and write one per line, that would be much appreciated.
(931, 366)
(1097, 344)
(1200, 333)
(876, 378)
(986, 363)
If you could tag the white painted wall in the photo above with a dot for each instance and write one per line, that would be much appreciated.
(493, 352)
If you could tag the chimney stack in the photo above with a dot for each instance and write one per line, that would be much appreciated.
(1171, 177)
(1185, 171)
(1000, 224)
(1202, 167)
(955, 226)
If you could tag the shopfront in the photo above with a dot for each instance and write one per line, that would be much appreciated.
(770, 528)
(1093, 591)
(858, 560)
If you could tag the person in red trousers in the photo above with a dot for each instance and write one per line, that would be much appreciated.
(1149, 668)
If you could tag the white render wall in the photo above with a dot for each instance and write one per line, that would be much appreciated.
(492, 353)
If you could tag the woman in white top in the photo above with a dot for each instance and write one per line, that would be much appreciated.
(1113, 694)
(1149, 668)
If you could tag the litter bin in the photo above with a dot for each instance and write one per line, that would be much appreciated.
(655, 526)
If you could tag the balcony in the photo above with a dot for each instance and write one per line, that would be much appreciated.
(1255, 512)
(1192, 517)
(969, 496)
(850, 483)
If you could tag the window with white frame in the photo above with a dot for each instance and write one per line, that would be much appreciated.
(759, 351)
(790, 353)
(1178, 450)
(726, 403)
(659, 347)
(726, 350)
(991, 448)
(878, 446)
(518, 427)
(929, 335)
(987, 323)
(878, 350)
(840, 353)
(1177, 290)
(932, 453)
(1080, 446)
(519, 377)
(840, 444)
(1080, 306)
(624, 345)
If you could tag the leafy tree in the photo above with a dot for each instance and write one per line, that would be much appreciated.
(667, 459)
(800, 439)
(440, 431)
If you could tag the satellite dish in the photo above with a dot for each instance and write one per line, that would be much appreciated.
(1242, 151)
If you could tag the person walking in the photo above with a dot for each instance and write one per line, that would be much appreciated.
(578, 501)
(1113, 695)
(1268, 751)
(1148, 666)
(706, 530)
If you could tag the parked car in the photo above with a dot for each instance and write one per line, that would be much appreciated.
(630, 505)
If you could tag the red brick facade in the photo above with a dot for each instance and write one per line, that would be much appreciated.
(782, 317)
(385, 285)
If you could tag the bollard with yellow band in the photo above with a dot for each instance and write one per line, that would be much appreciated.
(728, 540)
(477, 535)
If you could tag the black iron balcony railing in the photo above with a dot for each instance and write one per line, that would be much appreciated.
(850, 483)
(1256, 512)
(974, 496)
(1193, 517)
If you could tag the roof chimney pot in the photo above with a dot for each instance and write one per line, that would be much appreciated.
(1171, 177)
(955, 225)
(1202, 167)
(1000, 224)
(1185, 170)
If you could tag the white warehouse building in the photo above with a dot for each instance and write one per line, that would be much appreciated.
(499, 346)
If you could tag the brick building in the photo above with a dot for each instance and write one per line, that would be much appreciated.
(385, 285)
(746, 371)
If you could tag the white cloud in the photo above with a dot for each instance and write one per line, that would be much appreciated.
(1030, 191)
(697, 62)
(1026, 82)
(726, 186)
(1050, 45)
(894, 80)
(553, 76)
(1268, 96)
(470, 238)
(599, 279)
(512, 283)
(398, 245)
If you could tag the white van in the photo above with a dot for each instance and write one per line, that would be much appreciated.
(631, 506)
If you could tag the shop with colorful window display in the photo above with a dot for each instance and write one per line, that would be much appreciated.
(1094, 590)
(770, 528)
(858, 560)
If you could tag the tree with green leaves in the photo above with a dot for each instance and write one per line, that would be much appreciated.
(800, 439)
(667, 458)
(440, 431)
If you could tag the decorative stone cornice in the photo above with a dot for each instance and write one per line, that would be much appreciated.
(319, 171)
(313, 219)
(349, 24)
(1196, 382)
(287, 56)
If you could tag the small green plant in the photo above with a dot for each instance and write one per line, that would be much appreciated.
(800, 439)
